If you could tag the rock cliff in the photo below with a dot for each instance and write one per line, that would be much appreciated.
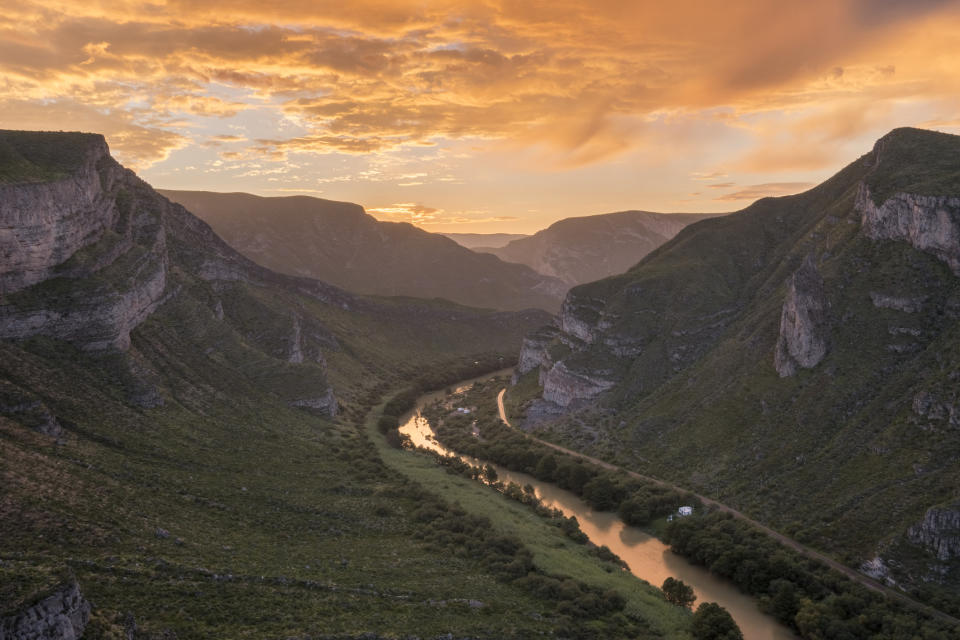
(928, 223)
(565, 386)
(803, 322)
(90, 251)
(939, 532)
(63, 615)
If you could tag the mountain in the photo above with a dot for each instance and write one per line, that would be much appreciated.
(583, 249)
(340, 243)
(184, 447)
(483, 240)
(797, 359)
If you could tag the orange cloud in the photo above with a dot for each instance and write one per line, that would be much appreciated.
(757, 191)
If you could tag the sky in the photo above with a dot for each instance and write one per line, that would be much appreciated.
(486, 116)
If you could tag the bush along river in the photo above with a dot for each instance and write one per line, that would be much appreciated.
(465, 413)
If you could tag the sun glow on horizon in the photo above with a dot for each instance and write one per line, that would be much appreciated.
(485, 116)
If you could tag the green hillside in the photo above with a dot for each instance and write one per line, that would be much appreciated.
(847, 455)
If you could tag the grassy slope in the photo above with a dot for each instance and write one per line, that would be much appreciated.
(833, 456)
(225, 512)
(251, 487)
(553, 551)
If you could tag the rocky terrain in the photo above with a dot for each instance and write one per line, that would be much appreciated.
(182, 433)
(64, 614)
(587, 248)
(796, 359)
(339, 243)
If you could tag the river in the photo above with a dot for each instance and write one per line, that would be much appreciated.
(648, 557)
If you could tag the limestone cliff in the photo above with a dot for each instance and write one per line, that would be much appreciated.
(63, 615)
(90, 251)
(939, 532)
(564, 386)
(535, 352)
(928, 223)
(803, 322)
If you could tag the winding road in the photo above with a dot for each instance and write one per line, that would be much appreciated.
(866, 581)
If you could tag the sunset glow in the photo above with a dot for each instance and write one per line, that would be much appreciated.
(484, 116)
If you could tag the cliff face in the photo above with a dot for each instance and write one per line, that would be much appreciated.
(90, 255)
(803, 323)
(565, 386)
(928, 223)
(939, 532)
(43, 224)
(62, 615)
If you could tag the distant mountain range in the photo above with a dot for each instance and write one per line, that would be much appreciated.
(338, 242)
(583, 249)
(799, 359)
(485, 240)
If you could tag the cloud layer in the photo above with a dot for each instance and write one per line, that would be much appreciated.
(420, 88)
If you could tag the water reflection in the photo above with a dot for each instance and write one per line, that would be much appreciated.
(647, 557)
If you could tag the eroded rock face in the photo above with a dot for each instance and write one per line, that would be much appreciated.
(87, 258)
(325, 404)
(62, 615)
(929, 223)
(563, 386)
(899, 303)
(43, 224)
(535, 351)
(803, 322)
(574, 320)
(939, 532)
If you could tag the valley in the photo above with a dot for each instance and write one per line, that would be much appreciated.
(184, 430)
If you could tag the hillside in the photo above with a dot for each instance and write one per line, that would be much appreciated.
(340, 243)
(588, 248)
(183, 448)
(797, 360)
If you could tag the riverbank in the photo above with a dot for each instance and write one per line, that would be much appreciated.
(552, 551)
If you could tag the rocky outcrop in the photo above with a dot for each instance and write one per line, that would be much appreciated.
(578, 317)
(939, 532)
(63, 615)
(535, 351)
(929, 223)
(43, 224)
(325, 404)
(564, 386)
(899, 303)
(27, 409)
(803, 322)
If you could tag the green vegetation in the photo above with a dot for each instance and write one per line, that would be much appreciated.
(838, 456)
(813, 599)
(40, 156)
(713, 622)
(915, 161)
(560, 559)
(809, 597)
(678, 592)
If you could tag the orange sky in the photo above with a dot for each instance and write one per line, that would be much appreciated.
(502, 115)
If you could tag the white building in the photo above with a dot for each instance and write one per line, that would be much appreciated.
(685, 511)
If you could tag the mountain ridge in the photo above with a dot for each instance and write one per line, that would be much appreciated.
(340, 243)
(788, 356)
(582, 249)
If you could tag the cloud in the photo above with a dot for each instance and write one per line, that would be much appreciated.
(757, 191)
(135, 146)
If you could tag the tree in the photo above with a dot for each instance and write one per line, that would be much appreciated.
(678, 592)
(713, 622)
(546, 468)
